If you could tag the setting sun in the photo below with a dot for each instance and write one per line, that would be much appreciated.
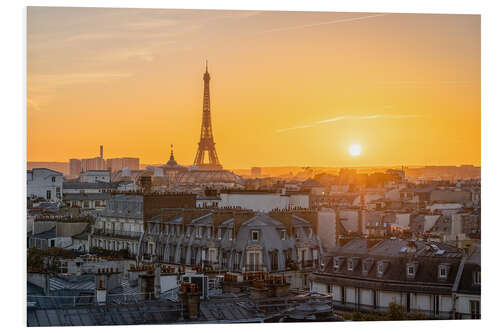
(355, 150)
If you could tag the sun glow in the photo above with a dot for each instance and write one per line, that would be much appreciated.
(355, 150)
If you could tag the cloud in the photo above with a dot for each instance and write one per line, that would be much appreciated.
(424, 83)
(339, 118)
(42, 88)
(324, 23)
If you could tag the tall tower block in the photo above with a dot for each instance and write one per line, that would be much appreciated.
(206, 146)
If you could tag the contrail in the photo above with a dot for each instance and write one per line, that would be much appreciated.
(323, 23)
(339, 118)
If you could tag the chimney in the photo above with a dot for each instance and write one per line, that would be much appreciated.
(101, 154)
(146, 184)
(189, 296)
(101, 294)
(157, 285)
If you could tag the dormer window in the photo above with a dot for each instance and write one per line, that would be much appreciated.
(337, 262)
(443, 271)
(352, 263)
(411, 270)
(476, 277)
(297, 233)
(283, 234)
(230, 234)
(255, 235)
(199, 232)
(219, 234)
(382, 267)
(367, 266)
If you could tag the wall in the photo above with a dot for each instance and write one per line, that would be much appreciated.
(319, 287)
(386, 298)
(39, 181)
(261, 202)
(366, 296)
(167, 282)
(94, 177)
(349, 219)
(451, 196)
(463, 302)
(327, 228)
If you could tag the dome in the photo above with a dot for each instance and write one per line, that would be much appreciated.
(172, 163)
(209, 176)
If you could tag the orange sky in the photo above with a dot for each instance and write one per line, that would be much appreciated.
(287, 88)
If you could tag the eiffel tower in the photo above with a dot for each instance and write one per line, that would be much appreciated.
(206, 144)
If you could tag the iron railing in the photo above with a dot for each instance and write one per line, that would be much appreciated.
(349, 306)
(117, 233)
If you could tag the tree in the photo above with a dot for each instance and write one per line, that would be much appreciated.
(396, 312)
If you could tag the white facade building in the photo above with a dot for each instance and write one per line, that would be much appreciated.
(94, 176)
(44, 183)
(264, 201)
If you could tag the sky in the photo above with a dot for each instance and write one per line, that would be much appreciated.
(287, 88)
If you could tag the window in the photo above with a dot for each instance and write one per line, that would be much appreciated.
(49, 194)
(476, 277)
(219, 233)
(255, 235)
(53, 179)
(297, 233)
(283, 234)
(380, 268)
(230, 234)
(475, 309)
(443, 272)
(349, 265)
(411, 270)
(199, 232)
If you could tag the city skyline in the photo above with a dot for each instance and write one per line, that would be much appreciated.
(288, 88)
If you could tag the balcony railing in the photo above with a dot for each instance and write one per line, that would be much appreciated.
(255, 268)
(348, 306)
(117, 233)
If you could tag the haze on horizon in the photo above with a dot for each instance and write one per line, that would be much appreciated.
(287, 88)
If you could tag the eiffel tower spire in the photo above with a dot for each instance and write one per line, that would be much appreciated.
(206, 144)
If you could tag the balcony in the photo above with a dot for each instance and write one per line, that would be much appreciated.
(117, 233)
(255, 268)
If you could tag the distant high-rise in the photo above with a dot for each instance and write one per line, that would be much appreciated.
(115, 164)
(75, 167)
(97, 163)
(206, 144)
(256, 172)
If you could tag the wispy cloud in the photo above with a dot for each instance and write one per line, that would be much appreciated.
(339, 118)
(323, 23)
(42, 88)
(424, 83)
